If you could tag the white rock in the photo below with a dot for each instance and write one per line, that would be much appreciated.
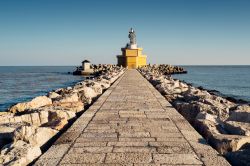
(206, 116)
(87, 94)
(19, 153)
(35, 103)
(241, 114)
(96, 87)
(66, 98)
(53, 95)
(237, 128)
(36, 136)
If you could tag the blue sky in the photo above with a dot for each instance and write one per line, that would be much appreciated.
(64, 32)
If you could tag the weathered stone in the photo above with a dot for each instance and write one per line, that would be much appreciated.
(71, 106)
(96, 87)
(241, 114)
(19, 153)
(174, 159)
(53, 95)
(56, 124)
(87, 94)
(206, 116)
(122, 158)
(67, 98)
(237, 128)
(5, 117)
(87, 158)
(227, 143)
(34, 103)
(35, 136)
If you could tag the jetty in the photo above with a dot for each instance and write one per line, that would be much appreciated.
(131, 123)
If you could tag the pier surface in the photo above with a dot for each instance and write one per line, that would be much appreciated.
(131, 124)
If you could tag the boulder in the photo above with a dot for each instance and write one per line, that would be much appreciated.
(33, 118)
(7, 130)
(240, 114)
(59, 114)
(237, 128)
(35, 136)
(161, 88)
(87, 94)
(177, 90)
(62, 91)
(57, 124)
(96, 87)
(72, 106)
(188, 110)
(206, 116)
(53, 95)
(207, 128)
(240, 157)
(19, 153)
(104, 83)
(5, 117)
(224, 143)
(35, 103)
(243, 107)
(66, 98)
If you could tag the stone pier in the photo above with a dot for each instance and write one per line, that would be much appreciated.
(131, 124)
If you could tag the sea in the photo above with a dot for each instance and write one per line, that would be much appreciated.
(229, 81)
(21, 84)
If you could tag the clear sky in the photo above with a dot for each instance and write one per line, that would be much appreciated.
(64, 32)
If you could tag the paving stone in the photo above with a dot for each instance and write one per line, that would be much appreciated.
(147, 139)
(175, 149)
(127, 143)
(91, 149)
(67, 138)
(135, 149)
(56, 151)
(165, 135)
(134, 134)
(96, 139)
(131, 125)
(171, 139)
(89, 143)
(105, 135)
(176, 159)
(81, 159)
(47, 162)
(128, 158)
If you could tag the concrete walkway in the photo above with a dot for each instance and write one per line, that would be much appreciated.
(131, 124)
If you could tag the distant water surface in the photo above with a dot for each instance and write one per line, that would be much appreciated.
(19, 84)
(233, 81)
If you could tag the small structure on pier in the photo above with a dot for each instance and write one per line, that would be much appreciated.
(86, 65)
(85, 69)
(132, 56)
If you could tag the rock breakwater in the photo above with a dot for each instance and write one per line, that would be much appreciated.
(165, 69)
(225, 124)
(26, 127)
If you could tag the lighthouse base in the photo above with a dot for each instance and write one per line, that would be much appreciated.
(132, 58)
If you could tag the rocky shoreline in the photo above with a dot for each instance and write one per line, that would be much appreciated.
(27, 127)
(224, 123)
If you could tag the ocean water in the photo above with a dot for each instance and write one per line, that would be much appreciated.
(233, 81)
(19, 84)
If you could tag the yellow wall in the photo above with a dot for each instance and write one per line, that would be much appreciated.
(130, 52)
(132, 58)
(131, 62)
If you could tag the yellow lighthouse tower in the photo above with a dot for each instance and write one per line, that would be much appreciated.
(132, 56)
